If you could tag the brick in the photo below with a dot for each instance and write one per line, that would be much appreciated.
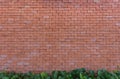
(118, 23)
(96, 1)
(46, 35)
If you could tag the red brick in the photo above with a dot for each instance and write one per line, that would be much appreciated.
(46, 35)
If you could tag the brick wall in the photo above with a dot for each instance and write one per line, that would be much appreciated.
(45, 35)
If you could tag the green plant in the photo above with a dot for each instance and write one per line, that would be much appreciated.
(74, 74)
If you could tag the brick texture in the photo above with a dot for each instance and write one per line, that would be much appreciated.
(46, 35)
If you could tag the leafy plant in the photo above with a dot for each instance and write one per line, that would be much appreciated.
(74, 74)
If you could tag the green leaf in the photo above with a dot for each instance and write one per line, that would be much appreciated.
(44, 75)
(5, 78)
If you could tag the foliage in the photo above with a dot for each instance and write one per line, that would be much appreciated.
(74, 74)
